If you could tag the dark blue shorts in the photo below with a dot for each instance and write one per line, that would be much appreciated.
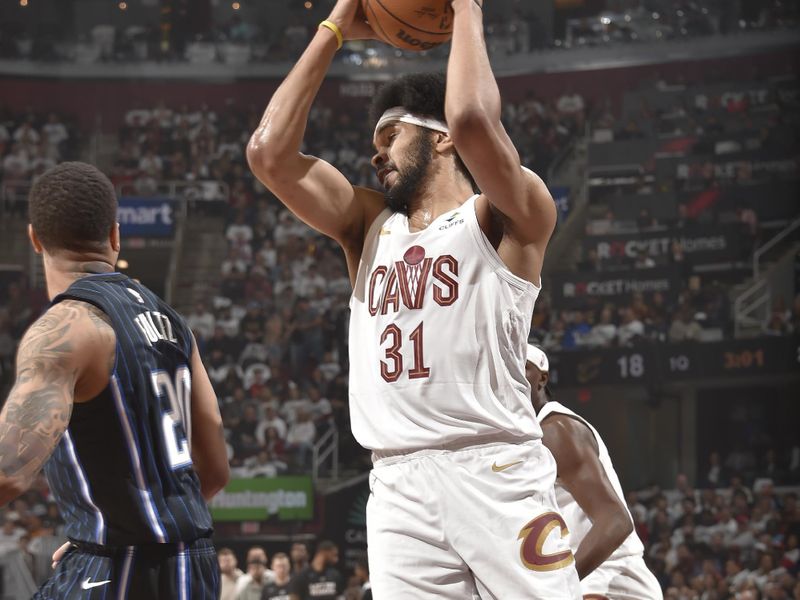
(153, 572)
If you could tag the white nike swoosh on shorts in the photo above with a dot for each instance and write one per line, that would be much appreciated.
(87, 586)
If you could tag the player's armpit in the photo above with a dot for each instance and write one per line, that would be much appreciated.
(38, 409)
(209, 453)
(579, 470)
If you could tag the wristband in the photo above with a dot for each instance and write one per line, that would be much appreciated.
(336, 31)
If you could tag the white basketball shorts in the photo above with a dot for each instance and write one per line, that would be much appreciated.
(622, 579)
(479, 522)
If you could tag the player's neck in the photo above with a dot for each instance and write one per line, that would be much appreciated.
(538, 402)
(443, 192)
(62, 270)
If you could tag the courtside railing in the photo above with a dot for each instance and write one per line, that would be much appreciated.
(326, 450)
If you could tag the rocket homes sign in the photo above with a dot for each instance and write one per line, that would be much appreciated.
(701, 244)
(578, 290)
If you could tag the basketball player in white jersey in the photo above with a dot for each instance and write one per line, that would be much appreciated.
(608, 553)
(444, 284)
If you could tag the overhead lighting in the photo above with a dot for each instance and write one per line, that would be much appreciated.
(122, 264)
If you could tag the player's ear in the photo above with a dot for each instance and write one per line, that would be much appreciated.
(443, 142)
(37, 245)
(114, 238)
(543, 379)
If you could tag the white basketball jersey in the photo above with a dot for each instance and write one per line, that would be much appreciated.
(438, 334)
(578, 522)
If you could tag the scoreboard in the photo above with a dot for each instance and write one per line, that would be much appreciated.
(652, 363)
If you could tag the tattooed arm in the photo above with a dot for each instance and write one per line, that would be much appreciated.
(58, 362)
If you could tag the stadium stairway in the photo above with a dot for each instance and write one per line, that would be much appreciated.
(201, 248)
(752, 300)
(569, 170)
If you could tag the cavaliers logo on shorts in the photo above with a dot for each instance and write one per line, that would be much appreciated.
(533, 536)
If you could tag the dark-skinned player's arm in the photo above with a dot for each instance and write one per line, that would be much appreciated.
(209, 453)
(66, 356)
(310, 187)
(579, 470)
(473, 112)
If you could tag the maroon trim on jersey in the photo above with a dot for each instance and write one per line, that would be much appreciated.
(448, 295)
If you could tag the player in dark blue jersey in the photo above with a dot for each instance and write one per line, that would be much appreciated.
(112, 399)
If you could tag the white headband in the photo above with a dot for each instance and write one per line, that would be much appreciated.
(400, 114)
(538, 358)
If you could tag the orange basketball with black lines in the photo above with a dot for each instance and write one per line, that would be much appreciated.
(410, 24)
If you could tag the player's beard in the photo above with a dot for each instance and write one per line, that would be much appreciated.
(411, 179)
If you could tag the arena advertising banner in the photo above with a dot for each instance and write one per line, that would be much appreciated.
(734, 169)
(142, 217)
(262, 498)
(657, 364)
(701, 244)
(577, 290)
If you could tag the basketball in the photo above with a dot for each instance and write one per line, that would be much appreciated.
(410, 24)
(414, 255)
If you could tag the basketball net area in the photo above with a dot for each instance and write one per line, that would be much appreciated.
(413, 259)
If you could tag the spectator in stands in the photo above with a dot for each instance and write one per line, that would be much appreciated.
(321, 575)
(319, 408)
(716, 476)
(778, 323)
(576, 330)
(603, 333)
(305, 338)
(229, 573)
(278, 588)
(243, 438)
(252, 584)
(299, 556)
(26, 136)
(201, 321)
(263, 464)
(271, 421)
(362, 575)
(330, 368)
(684, 327)
(300, 439)
(591, 262)
(631, 329)
(10, 533)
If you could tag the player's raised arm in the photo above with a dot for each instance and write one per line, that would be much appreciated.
(209, 454)
(473, 112)
(313, 189)
(582, 475)
(57, 360)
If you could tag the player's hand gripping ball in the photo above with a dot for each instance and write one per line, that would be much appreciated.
(410, 24)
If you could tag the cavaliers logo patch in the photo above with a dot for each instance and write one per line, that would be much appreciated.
(533, 536)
